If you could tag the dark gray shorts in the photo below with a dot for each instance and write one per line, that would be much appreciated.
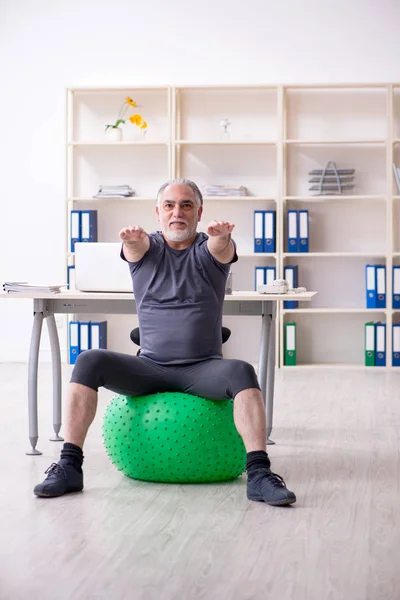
(216, 379)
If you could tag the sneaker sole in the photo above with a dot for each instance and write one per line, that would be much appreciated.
(285, 502)
(44, 495)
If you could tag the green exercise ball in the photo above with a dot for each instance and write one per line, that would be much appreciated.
(173, 437)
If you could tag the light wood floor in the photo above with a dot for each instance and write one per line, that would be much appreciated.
(337, 435)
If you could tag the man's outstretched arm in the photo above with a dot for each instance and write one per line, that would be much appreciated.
(135, 241)
(219, 242)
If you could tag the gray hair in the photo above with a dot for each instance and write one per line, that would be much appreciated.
(197, 193)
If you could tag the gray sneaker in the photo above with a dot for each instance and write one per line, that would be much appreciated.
(62, 478)
(265, 486)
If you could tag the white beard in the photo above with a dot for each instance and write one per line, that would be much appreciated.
(180, 235)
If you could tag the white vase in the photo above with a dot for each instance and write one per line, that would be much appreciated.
(113, 134)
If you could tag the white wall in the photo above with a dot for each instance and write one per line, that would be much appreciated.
(46, 45)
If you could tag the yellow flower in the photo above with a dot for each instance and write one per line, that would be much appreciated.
(130, 101)
(143, 125)
(136, 120)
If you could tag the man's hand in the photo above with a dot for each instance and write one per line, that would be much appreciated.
(219, 228)
(132, 234)
(219, 242)
(136, 242)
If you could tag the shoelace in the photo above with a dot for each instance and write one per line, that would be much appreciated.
(54, 469)
(276, 480)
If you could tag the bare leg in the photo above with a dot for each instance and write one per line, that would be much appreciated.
(249, 416)
(262, 484)
(81, 410)
(66, 475)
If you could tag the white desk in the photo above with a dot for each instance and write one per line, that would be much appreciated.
(46, 306)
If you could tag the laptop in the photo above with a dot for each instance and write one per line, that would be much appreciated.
(99, 268)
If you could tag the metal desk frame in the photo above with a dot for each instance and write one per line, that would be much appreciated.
(46, 306)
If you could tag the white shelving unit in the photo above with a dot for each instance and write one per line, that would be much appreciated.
(277, 134)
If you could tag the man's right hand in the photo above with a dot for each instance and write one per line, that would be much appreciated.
(136, 242)
(133, 234)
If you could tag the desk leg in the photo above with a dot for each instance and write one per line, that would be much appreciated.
(263, 361)
(271, 373)
(33, 380)
(56, 364)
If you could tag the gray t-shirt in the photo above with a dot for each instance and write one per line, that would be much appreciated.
(179, 297)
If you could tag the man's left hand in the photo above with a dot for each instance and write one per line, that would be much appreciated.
(219, 228)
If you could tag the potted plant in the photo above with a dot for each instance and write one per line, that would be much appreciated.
(113, 130)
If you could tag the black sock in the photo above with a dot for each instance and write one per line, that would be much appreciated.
(72, 454)
(256, 460)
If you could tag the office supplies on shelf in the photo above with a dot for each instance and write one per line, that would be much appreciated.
(331, 181)
(396, 173)
(291, 274)
(380, 286)
(73, 341)
(290, 344)
(396, 345)
(84, 336)
(292, 231)
(396, 287)
(380, 344)
(98, 334)
(303, 231)
(88, 226)
(258, 231)
(114, 191)
(369, 344)
(375, 283)
(75, 228)
(225, 190)
(71, 277)
(269, 230)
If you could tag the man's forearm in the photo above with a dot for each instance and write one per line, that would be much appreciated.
(221, 247)
(134, 251)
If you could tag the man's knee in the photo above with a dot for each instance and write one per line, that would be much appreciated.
(243, 376)
(91, 359)
(90, 368)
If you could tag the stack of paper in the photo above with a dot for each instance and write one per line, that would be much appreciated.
(114, 191)
(225, 190)
(23, 287)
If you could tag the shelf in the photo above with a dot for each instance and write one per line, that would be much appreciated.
(247, 199)
(334, 142)
(225, 88)
(322, 198)
(187, 125)
(310, 87)
(238, 198)
(257, 255)
(332, 310)
(227, 143)
(124, 88)
(334, 254)
(333, 366)
(122, 198)
(139, 143)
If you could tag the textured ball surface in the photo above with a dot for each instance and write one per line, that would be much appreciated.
(173, 437)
